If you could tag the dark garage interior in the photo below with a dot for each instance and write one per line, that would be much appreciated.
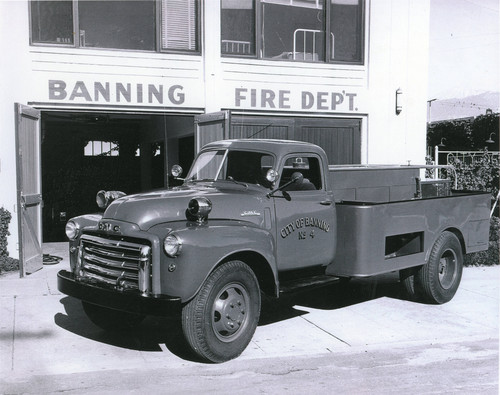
(83, 153)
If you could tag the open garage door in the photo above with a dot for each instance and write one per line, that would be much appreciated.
(211, 127)
(29, 197)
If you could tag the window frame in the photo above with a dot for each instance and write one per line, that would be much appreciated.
(259, 19)
(157, 33)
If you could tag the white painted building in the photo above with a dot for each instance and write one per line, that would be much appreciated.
(121, 89)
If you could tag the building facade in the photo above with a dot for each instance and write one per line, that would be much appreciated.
(119, 91)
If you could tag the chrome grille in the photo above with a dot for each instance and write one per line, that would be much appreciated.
(122, 264)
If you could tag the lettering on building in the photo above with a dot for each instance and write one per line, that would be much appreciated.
(107, 92)
(281, 99)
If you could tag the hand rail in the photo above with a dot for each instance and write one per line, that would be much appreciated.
(236, 47)
(304, 31)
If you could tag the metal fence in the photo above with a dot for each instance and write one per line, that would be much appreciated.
(467, 157)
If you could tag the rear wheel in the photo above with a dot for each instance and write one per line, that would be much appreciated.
(220, 320)
(407, 281)
(438, 280)
(111, 320)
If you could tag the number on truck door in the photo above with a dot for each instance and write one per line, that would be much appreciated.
(305, 215)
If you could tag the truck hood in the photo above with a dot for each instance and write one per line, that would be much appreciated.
(230, 201)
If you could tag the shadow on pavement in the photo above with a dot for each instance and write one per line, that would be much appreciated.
(154, 331)
(148, 336)
(330, 297)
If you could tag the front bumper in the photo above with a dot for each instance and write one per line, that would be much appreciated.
(119, 300)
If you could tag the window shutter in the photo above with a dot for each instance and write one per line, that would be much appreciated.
(179, 24)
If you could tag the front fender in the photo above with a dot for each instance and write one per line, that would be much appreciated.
(204, 247)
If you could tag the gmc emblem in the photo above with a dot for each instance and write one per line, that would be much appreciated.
(108, 227)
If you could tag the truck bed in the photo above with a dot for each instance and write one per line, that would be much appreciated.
(384, 183)
(376, 237)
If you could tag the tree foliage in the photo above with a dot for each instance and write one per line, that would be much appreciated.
(480, 172)
(6, 263)
(468, 134)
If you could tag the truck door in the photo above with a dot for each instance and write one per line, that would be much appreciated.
(29, 195)
(305, 215)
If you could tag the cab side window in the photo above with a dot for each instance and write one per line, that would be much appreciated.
(249, 167)
(309, 167)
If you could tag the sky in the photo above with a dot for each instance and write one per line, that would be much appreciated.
(464, 48)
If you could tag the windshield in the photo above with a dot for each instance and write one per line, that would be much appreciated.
(241, 166)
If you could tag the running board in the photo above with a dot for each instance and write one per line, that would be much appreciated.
(307, 283)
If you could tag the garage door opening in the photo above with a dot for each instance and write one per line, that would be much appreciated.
(83, 153)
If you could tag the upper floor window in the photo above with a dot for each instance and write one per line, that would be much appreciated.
(179, 29)
(238, 27)
(52, 22)
(117, 24)
(130, 25)
(304, 30)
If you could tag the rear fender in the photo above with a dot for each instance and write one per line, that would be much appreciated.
(436, 236)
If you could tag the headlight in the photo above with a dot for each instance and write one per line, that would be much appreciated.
(198, 209)
(72, 230)
(172, 245)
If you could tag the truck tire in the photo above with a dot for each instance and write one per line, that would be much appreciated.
(407, 281)
(219, 322)
(438, 280)
(111, 320)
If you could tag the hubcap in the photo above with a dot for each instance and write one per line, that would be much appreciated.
(447, 270)
(229, 312)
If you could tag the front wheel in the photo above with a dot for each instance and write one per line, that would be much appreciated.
(438, 280)
(220, 320)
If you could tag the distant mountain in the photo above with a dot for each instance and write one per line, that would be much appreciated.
(469, 106)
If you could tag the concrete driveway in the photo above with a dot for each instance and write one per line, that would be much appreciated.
(365, 339)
